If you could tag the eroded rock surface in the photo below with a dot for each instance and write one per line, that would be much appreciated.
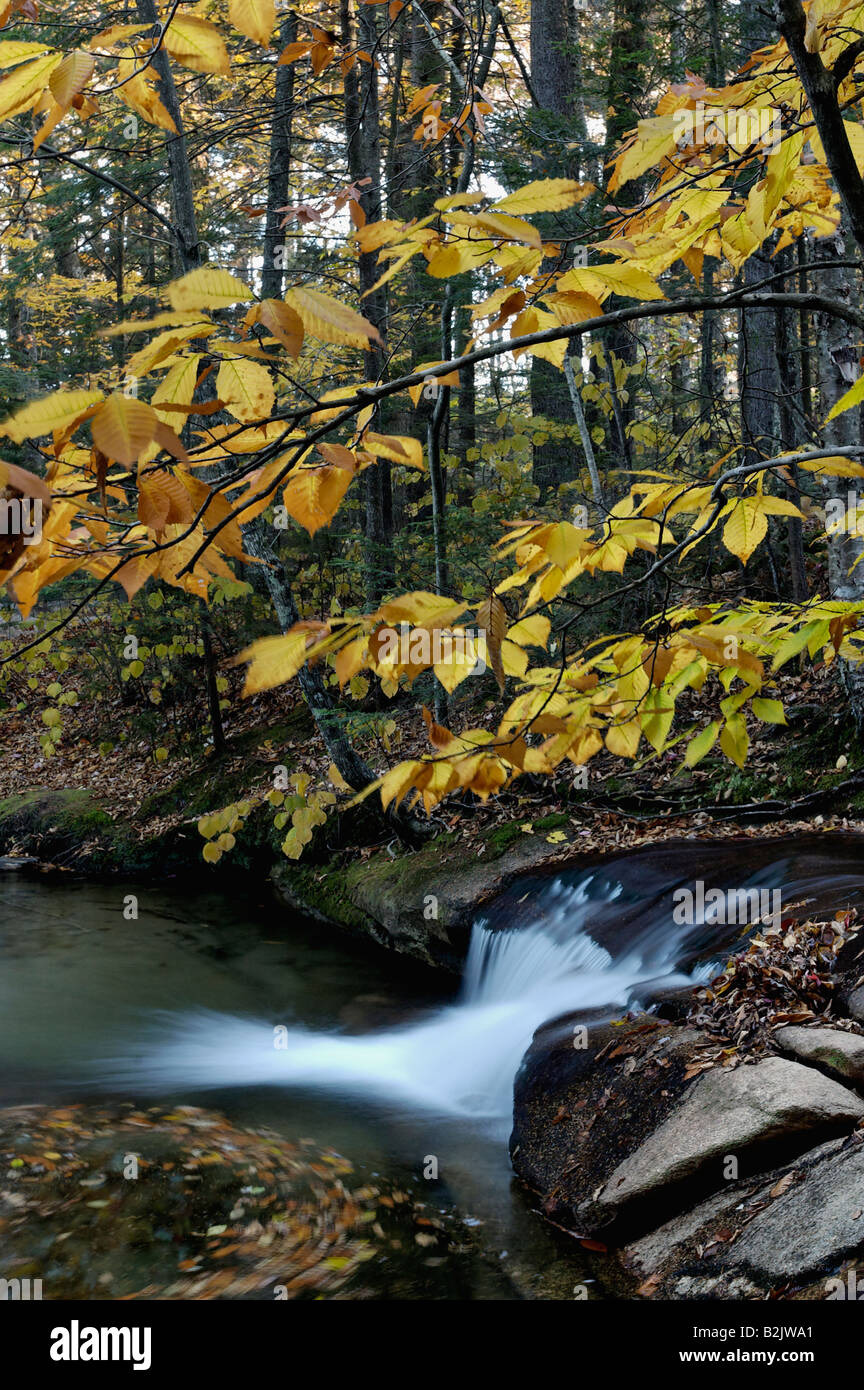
(624, 1131)
(830, 1048)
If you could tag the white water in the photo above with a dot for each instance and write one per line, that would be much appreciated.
(460, 1061)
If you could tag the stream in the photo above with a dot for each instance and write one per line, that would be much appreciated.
(225, 1002)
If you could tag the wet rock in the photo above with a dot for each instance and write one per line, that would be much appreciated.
(706, 1235)
(728, 1113)
(670, 1002)
(812, 1227)
(619, 1135)
(715, 1286)
(855, 1004)
(830, 1048)
(792, 1230)
(587, 1093)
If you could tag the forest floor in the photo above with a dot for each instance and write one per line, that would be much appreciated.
(806, 775)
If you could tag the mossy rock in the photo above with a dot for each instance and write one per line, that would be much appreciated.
(49, 823)
(422, 903)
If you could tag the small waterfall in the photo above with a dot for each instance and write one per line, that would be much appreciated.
(461, 1060)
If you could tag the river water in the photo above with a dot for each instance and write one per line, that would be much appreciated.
(230, 1003)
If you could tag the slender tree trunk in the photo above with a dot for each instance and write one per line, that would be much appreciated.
(757, 370)
(554, 41)
(190, 251)
(363, 143)
(279, 176)
(790, 431)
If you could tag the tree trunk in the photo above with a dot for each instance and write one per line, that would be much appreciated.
(554, 40)
(190, 251)
(279, 176)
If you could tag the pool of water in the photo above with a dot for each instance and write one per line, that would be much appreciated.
(390, 1065)
(80, 984)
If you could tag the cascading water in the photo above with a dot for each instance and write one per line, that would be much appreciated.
(460, 1061)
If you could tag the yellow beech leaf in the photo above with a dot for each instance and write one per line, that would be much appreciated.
(457, 664)
(398, 780)
(123, 427)
(196, 43)
(178, 388)
(23, 87)
(459, 256)
(623, 739)
(854, 396)
(734, 739)
(283, 322)
(117, 33)
(624, 278)
(254, 18)
(207, 288)
(14, 51)
(71, 76)
(327, 319)
(138, 91)
(837, 467)
(55, 412)
(769, 711)
(745, 529)
(398, 447)
(530, 632)
(512, 228)
(421, 609)
(702, 744)
(246, 388)
(570, 307)
(273, 660)
(545, 195)
(656, 139)
(564, 544)
(312, 495)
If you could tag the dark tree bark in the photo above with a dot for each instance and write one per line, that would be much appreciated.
(279, 176)
(555, 124)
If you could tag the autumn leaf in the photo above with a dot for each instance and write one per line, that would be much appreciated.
(702, 744)
(327, 319)
(206, 288)
(71, 76)
(312, 495)
(746, 528)
(196, 43)
(246, 389)
(254, 18)
(273, 660)
(123, 427)
(54, 412)
(492, 620)
(545, 195)
(282, 321)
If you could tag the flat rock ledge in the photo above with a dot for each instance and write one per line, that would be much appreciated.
(702, 1180)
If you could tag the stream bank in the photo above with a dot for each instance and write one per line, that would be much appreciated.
(416, 902)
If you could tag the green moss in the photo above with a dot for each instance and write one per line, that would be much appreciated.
(49, 823)
(502, 837)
